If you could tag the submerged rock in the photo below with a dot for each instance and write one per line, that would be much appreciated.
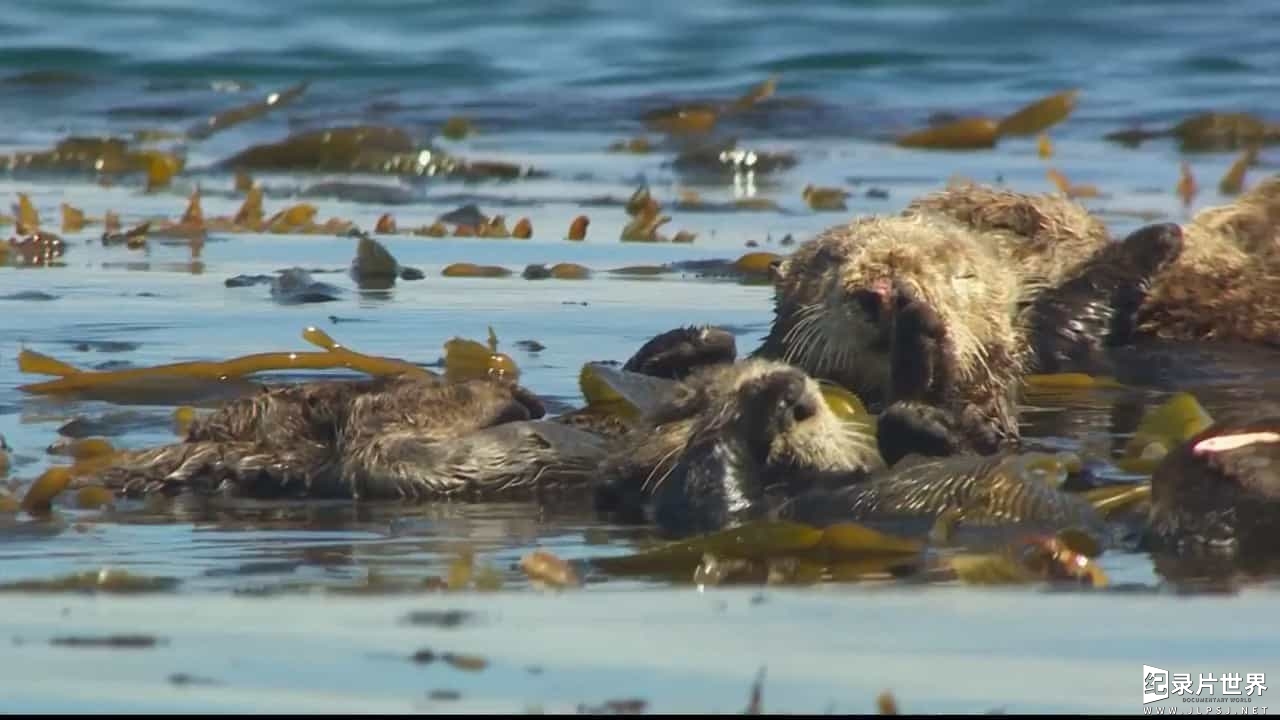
(374, 267)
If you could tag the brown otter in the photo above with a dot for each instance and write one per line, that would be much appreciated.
(755, 440)
(992, 268)
(730, 439)
(1044, 237)
(380, 438)
(1222, 287)
(397, 437)
(1226, 284)
(1218, 493)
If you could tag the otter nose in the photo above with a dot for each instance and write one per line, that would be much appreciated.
(789, 393)
(804, 408)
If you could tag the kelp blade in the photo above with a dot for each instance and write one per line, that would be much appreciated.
(844, 544)
(963, 134)
(1040, 115)
(1162, 429)
(626, 394)
(1114, 499)
(754, 540)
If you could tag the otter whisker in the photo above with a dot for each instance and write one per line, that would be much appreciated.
(665, 475)
(799, 353)
(658, 465)
(797, 338)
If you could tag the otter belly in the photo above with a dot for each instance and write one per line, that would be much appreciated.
(509, 459)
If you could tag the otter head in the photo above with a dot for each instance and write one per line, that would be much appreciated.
(1220, 490)
(730, 442)
(838, 298)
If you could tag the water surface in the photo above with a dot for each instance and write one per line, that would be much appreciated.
(551, 85)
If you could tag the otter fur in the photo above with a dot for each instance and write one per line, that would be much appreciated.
(729, 439)
(389, 437)
(993, 267)
(400, 437)
(1045, 238)
(754, 441)
(1225, 287)
(1218, 493)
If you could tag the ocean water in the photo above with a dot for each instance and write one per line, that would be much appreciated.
(551, 85)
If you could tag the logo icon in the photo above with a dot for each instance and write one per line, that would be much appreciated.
(1155, 684)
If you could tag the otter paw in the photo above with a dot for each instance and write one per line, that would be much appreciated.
(1146, 252)
(981, 432)
(1152, 247)
(529, 401)
(673, 355)
(910, 428)
(921, 367)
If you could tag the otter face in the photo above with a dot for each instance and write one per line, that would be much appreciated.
(733, 439)
(1220, 490)
(837, 300)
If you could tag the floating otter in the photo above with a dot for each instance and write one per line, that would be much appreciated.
(755, 440)
(1218, 493)
(731, 438)
(1005, 281)
(398, 437)
(1223, 286)
(1226, 285)
(1043, 238)
(390, 437)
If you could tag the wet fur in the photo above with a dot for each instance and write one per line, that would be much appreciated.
(730, 439)
(1224, 503)
(1016, 284)
(1046, 237)
(672, 355)
(1226, 285)
(960, 275)
(387, 437)
(1072, 326)
(399, 437)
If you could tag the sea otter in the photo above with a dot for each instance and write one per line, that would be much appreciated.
(755, 440)
(1007, 277)
(1217, 495)
(398, 437)
(1225, 287)
(389, 437)
(1222, 286)
(727, 441)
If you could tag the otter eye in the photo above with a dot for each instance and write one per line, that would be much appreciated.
(868, 300)
(804, 409)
